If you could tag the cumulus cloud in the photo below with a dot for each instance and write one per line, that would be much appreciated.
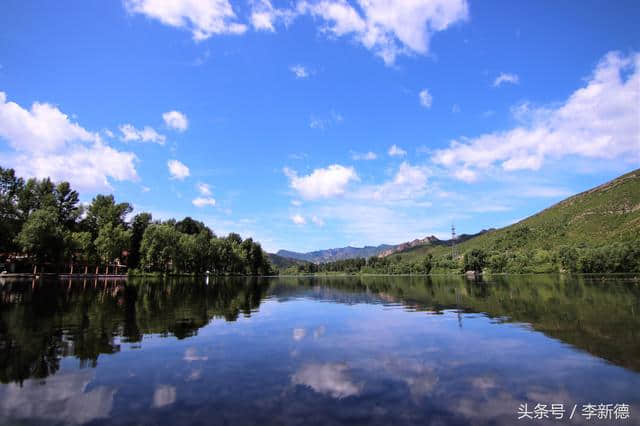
(598, 121)
(396, 151)
(299, 71)
(177, 169)
(425, 98)
(204, 201)
(322, 183)
(387, 27)
(264, 16)
(176, 120)
(147, 134)
(203, 18)
(298, 219)
(364, 156)
(408, 183)
(46, 143)
(506, 78)
(327, 379)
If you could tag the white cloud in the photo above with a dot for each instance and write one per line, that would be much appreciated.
(67, 398)
(388, 27)
(364, 156)
(298, 219)
(46, 143)
(147, 134)
(425, 98)
(506, 78)
(264, 15)
(177, 169)
(299, 334)
(299, 71)
(204, 189)
(109, 133)
(191, 354)
(598, 121)
(409, 183)
(396, 151)
(322, 183)
(296, 203)
(204, 201)
(164, 395)
(327, 379)
(203, 18)
(317, 221)
(176, 120)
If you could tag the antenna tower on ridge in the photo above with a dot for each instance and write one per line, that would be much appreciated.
(453, 242)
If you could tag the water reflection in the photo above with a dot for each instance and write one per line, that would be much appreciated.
(65, 398)
(328, 379)
(341, 350)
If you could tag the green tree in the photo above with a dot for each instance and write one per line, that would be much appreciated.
(42, 236)
(474, 260)
(427, 263)
(66, 202)
(79, 246)
(104, 210)
(112, 241)
(139, 224)
(10, 189)
(159, 247)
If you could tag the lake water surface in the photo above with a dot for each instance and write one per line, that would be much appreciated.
(316, 351)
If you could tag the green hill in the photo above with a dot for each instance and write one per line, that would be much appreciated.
(282, 262)
(592, 220)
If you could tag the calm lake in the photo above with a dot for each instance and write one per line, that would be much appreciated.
(307, 351)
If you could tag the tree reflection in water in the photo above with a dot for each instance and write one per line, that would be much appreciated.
(42, 322)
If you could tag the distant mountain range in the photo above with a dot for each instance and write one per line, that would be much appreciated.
(330, 255)
(284, 257)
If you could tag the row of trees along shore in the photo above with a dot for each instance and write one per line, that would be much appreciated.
(43, 223)
(620, 257)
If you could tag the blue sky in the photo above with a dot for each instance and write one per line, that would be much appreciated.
(317, 124)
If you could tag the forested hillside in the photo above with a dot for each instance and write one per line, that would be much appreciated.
(595, 231)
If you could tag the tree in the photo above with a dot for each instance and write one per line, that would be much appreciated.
(10, 188)
(192, 227)
(159, 247)
(139, 224)
(474, 260)
(104, 210)
(42, 236)
(427, 263)
(567, 257)
(80, 243)
(112, 241)
(66, 201)
(36, 194)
